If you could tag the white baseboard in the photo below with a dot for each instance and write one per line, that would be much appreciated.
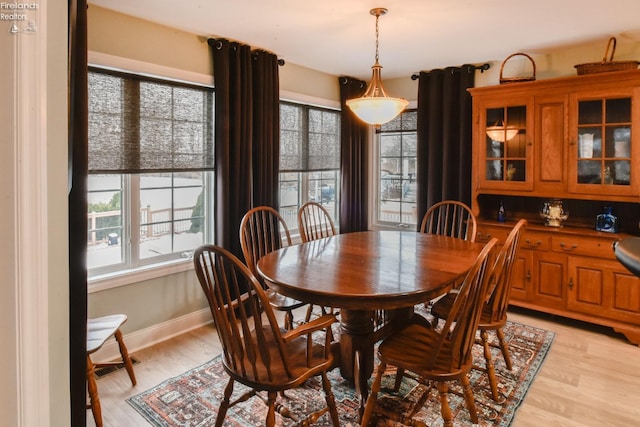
(147, 337)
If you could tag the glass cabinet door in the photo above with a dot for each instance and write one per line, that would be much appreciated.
(603, 149)
(504, 160)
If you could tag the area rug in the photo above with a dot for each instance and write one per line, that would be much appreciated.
(192, 399)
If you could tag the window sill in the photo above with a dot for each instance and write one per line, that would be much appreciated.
(126, 277)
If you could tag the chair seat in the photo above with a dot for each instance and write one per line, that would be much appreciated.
(300, 367)
(407, 350)
(440, 310)
(100, 329)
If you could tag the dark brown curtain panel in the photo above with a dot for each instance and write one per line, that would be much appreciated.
(354, 198)
(444, 136)
(266, 129)
(77, 202)
(233, 139)
(247, 135)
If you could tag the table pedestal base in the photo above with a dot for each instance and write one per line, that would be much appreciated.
(358, 335)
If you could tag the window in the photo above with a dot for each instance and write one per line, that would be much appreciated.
(396, 180)
(150, 163)
(309, 160)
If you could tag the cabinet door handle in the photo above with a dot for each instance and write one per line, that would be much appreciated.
(571, 283)
(528, 277)
(565, 247)
(572, 141)
(533, 245)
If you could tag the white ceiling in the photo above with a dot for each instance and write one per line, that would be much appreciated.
(338, 36)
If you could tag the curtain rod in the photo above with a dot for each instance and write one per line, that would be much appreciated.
(482, 68)
(218, 44)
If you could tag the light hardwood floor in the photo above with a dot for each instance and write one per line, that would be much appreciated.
(591, 376)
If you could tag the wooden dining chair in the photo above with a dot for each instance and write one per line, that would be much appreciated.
(450, 218)
(99, 331)
(263, 230)
(254, 350)
(438, 355)
(494, 310)
(314, 222)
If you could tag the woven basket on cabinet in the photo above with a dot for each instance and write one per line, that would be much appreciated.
(606, 65)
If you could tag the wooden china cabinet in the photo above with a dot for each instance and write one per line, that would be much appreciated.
(574, 139)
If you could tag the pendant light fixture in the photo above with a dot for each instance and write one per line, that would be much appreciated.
(375, 107)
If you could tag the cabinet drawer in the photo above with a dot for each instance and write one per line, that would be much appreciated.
(535, 240)
(589, 246)
(486, 233)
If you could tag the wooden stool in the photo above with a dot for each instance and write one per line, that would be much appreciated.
(99, 330)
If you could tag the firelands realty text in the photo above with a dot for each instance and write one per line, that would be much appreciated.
(13, 11)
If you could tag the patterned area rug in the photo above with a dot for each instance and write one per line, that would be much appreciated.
(192, 399)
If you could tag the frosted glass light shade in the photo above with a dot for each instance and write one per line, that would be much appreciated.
(375, 107)
(377, 110)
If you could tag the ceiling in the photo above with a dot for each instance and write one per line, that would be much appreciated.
(338, 36)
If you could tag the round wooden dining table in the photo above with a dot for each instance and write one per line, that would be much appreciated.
(369, 275)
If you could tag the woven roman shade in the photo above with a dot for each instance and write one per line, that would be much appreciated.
(309, 138)
(139, 124)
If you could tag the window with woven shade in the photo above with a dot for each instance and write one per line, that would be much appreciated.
(309, 159)
(151, 158)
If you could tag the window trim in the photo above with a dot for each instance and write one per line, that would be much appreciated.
(112, 280)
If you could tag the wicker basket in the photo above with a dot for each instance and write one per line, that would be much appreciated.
(606, 65)
(517, 79)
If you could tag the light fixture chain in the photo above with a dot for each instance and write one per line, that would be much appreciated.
(377, 36)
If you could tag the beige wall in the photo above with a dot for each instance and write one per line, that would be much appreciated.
(553, 62)
(124, 36)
